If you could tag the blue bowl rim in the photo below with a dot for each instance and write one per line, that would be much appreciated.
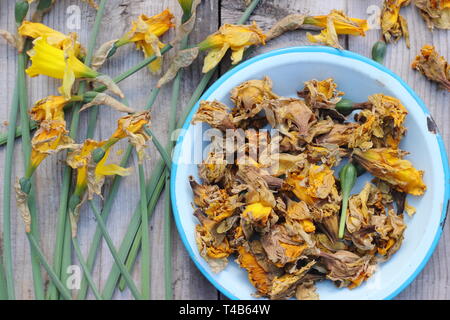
(319, 49)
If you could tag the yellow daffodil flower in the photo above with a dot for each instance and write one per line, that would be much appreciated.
(50, 138)
(342, 23)
(54, 38)
(49, 108)
(393, 25)
(145, 33)
(56, 63)
(335, 23)
(234, 37)
(80, 159)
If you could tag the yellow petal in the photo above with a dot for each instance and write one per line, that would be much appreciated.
(213, 57)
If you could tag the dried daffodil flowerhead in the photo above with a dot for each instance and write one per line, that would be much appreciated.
(393, 25)
(89, 174)
(435, 12)
(49, 108)
(214, 113)
(433, 66)
(388, 165)
(342, 23)
(50, 138)
(321, 94)
(249, 96)
(335, 23)
(234, 37)
(132, 126)
(63, 64)
(54, 38)
(145, 33)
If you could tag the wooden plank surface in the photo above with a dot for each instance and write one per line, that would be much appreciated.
(432, 283)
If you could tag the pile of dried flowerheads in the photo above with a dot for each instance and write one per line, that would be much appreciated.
(278, 213)
(45, 51)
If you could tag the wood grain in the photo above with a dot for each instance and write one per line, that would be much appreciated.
(188, 283)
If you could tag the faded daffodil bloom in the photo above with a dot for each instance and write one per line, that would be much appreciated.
(50, 138)
(49, 108)
(342, 23)
(388, 165)
(433, 66)
(393, 25)
(435, 12)
(80, 159)
(54, 38)
(131, 126)
(234, 37)
(145, 33)
(335, 23)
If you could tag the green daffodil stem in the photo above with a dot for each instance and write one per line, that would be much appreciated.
(3, 289)
(52, 274)
(120, 262)
(26, 150)
(131, 243)
(86, 272)
(145, 238)
(62, 253)
(109, 201)
(164, 154)
(7, 249)
(160, 175)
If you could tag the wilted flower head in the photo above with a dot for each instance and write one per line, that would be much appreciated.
(234, 37)
(393, 25)
(90, 175)
(342, 23)
(388, 165)
(433, 66)
(49, 108)
(335, 23)
(435, 12)
(132, 126)
(50, 138)
(145, 33)
(54, 38)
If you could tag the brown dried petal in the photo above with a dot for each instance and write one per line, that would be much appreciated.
(182, 59)
(10, 38)
(289, 23)
(110, 84)
(101, 54)
(103, 98)
(186, 28)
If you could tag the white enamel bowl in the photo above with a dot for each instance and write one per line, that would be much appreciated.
(358, 77)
